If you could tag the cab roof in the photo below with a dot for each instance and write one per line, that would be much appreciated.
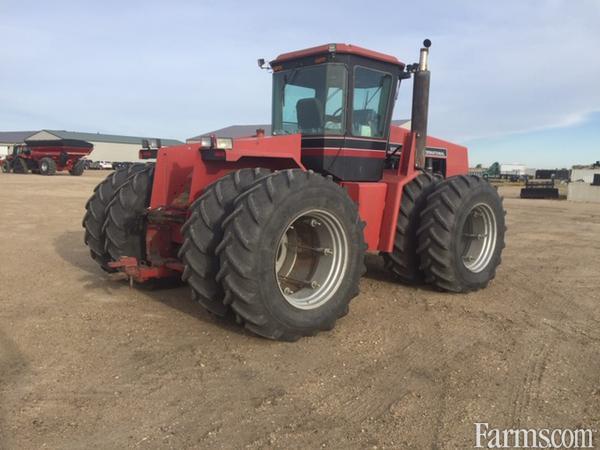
(342, 49)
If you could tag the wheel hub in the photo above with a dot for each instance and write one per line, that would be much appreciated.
(479, 237)
(311, 259)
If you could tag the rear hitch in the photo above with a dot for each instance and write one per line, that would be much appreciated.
(127, 265)
(141, 272)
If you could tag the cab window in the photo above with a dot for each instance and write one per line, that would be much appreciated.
(310, 100)
(370, 102)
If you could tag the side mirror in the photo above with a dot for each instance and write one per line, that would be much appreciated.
(262, 64)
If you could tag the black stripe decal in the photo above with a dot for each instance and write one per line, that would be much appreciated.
(341, 142)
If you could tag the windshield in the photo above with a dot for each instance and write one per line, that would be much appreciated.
(310, 100)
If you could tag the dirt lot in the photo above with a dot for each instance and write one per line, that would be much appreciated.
(86, 362)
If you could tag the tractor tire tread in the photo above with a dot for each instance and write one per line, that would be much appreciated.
(403, 260)
(436, 235)
(239, 256)
(203, 232)
(96, 211)
(124, 226)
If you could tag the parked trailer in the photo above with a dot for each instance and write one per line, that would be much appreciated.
(274, 229)
(48, 157)
(513, 172)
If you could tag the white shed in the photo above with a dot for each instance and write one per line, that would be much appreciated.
(586, 174)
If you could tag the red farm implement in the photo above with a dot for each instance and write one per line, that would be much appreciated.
(48, 157)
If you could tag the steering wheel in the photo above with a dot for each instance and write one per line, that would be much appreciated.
(337, 114)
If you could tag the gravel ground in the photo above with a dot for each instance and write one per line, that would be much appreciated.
(87, 362)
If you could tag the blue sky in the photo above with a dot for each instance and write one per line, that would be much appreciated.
(516, 81)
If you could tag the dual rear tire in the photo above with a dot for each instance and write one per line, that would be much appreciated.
(97, 212)
(403, 261)
(461, 234)
(450, 233)
(125, 224)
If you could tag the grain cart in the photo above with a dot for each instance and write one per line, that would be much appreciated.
(48, 157)
(274, 228)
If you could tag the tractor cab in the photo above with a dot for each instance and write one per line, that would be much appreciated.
(340, 98)
(20, 149)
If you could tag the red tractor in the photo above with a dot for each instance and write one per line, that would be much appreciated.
(275, 228)
(48, 157)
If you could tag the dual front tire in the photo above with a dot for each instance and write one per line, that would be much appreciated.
(290, 257)
(203, 231)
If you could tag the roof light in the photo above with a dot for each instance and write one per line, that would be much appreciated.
(332, 48)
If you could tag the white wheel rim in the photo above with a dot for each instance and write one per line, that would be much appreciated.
(311, 259)
(479, 236)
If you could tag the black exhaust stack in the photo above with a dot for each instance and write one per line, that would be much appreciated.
(420, 103)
